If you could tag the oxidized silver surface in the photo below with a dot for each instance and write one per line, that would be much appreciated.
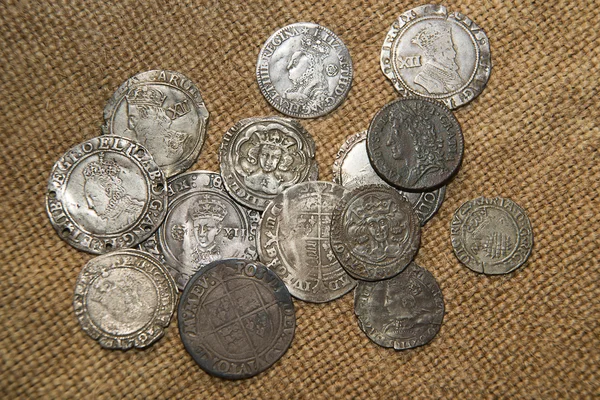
(236, 318)
(105, 194)
(435, 54)
(293, 241)
(203, 224)
(260, 157)
(403, 312)
(491, 236)
(375, 233)
(415, 144)
(164, 111)
(304, 70)
(124, 299)
(353, 169)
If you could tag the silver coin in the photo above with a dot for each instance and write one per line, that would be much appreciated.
(415, 144)
(403, 312)
(304, 70)
(236, 318)
(124, 299)
(203, 224)
(105, 194)
(260, 157)
(491, 236)
(353, 169)
(164, 111)
(435, 54)
(293, 240)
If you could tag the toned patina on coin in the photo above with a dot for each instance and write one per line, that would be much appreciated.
(491, 236)
(260, 157)
(203, 224)
(105, 194)
(164, 111)
(353, 169)
(293, 240)
(403, 312)
(432, 53)
(415, 144)
(375, 233)
(124, 299)
(304, 70)
(236, 318)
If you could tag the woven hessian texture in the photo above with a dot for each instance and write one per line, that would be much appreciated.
(532, 136)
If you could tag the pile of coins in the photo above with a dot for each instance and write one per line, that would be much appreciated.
(123, 195)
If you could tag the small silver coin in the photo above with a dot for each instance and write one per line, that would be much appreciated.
(435, 54)
(353, 169)
(415, 144)
(124, 299)
(304, 70)
(203, 224)
(294, 241)
(403, 312)
(105, 194)
(236, 318)
(491, 236)
(260, 157)
(375, 233)
(164, 111)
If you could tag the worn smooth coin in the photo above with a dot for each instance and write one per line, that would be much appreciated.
(236, 318)
(403, 312)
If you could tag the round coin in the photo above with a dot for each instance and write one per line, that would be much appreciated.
(435, 54)
(236, 318)
(403, 312)
(491, 236)
(105, 194)
(260, 157)
(304, 70)
(164, 111)
(293, 240)
(124, 299)
(415, 144)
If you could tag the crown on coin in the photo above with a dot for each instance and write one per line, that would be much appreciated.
(274, 137)
(372, 205)
(314, 45)
(428, 35)
(104, 168)
(205, 207)
(145, 96)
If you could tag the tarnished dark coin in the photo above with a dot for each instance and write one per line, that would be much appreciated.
(105, 194)
(124, 299)
(491, 236)
(236, 318)
(375, 233)
(304, 70)
(403, 312)
(352, 169)
(260, 157)
(164, 111)
(203, 224)
(435, 54)
(293, 240)
(415, 144)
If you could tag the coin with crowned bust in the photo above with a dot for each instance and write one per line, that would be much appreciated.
(124, 299)
(164, 111)
(432, 53)
(304, 70)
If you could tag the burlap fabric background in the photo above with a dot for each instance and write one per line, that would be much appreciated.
(532, 136)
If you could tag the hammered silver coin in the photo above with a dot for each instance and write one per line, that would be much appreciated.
(403, 312)
(304, 70)
(164, 111)
(491, 236)
(432, 53)
(236, 318)
(124, 299)
(203, 224)
(260, 157)
(293, 240)
(105, 194)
